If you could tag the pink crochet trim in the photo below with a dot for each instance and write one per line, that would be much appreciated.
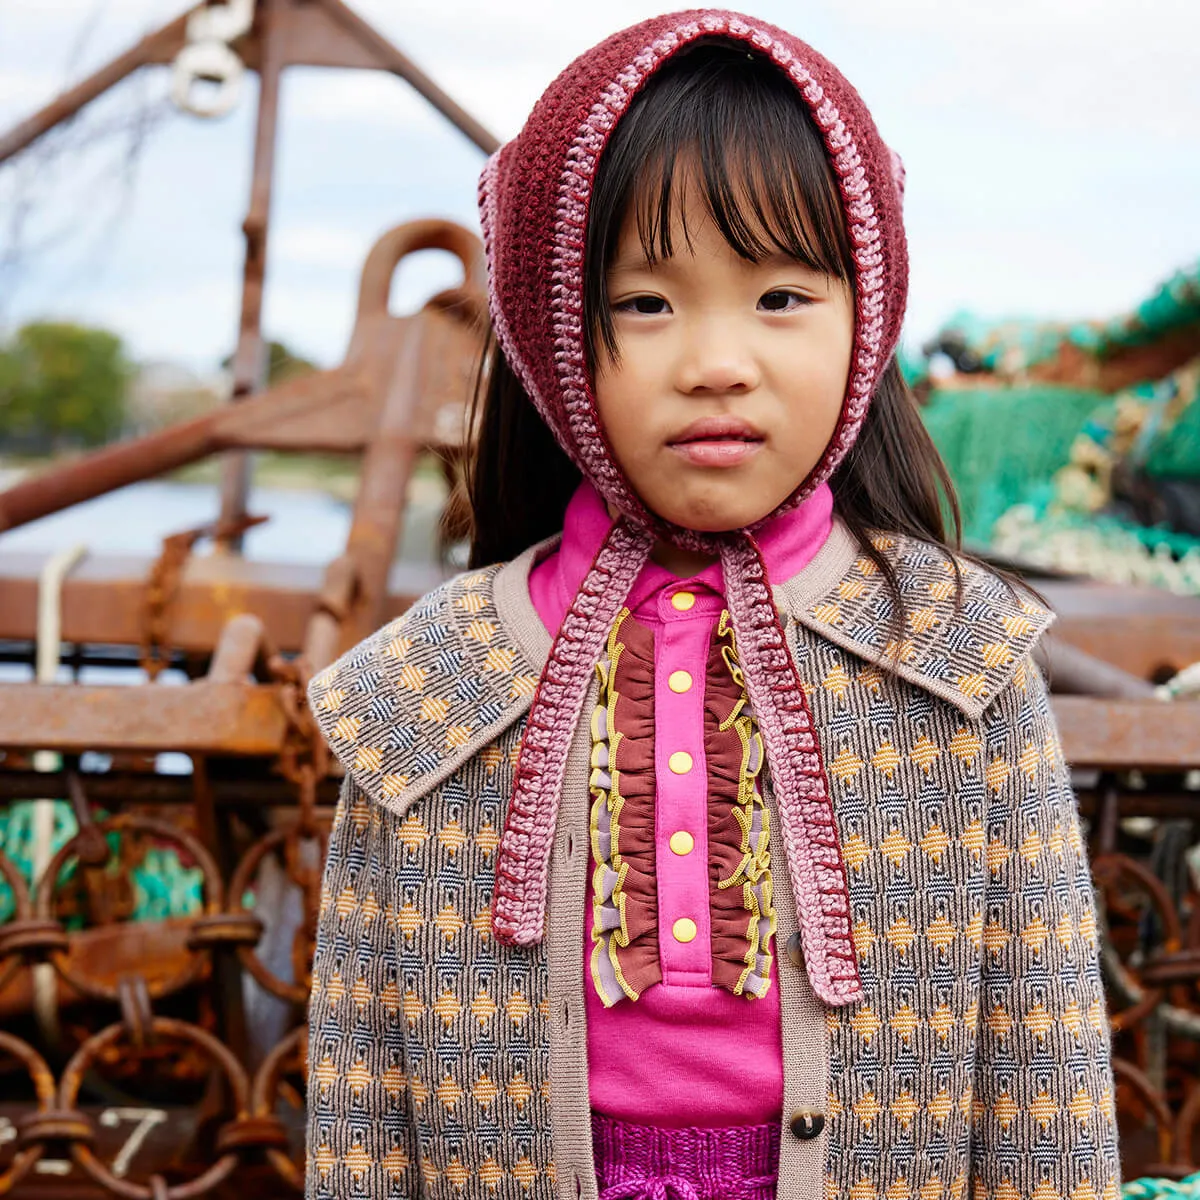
(523, 864)
(810, 838)
(488, 220)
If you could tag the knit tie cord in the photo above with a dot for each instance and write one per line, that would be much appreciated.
(801, 793)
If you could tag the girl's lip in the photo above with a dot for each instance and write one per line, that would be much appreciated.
(717, 442)
(718, 429)
(716, 453)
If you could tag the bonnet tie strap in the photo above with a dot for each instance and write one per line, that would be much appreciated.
(523, 864)
(815, 866)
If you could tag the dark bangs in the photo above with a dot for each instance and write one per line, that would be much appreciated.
(727, 122)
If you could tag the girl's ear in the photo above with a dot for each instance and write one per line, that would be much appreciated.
(897, 174)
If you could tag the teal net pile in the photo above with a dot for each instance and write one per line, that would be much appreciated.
(1003, 446)
(161, 885)
(1162, 1189)
(1035, 464)
(1007, 347)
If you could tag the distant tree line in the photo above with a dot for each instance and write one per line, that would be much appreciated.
(68, 387)
(62, 387)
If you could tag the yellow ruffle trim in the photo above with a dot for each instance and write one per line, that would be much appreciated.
(753, 873)
(607, 802)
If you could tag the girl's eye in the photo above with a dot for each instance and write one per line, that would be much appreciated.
(781, 301)
(645, 306)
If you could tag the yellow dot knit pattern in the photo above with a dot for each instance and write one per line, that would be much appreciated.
(977, 1062)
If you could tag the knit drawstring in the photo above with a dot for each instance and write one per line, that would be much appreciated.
(651, 1187)
(815, 865)
(675, 1187)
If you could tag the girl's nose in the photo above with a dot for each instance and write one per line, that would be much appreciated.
(715, 360)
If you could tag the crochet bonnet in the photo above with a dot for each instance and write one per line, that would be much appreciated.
(534, 198)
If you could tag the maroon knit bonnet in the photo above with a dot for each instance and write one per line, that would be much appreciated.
(534, 197)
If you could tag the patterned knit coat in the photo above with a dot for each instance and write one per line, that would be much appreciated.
(443, 1064)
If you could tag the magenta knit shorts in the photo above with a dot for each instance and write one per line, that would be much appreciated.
(641, 1162)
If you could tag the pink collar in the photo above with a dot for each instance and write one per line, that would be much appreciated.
(788, 542)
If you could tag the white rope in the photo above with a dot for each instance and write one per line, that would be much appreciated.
(49, 648)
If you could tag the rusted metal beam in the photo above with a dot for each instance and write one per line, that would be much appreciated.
(326, 411)
(1147, 646)
(444, 336)
(1119, 735)
(158, 47)
(123, 788)
(1148, 632)
(198, 718)
(1074, 672)
(249, 358)
(103, 599)
(408, 376)
(385, 55)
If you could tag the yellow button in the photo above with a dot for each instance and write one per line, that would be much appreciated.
(680, 681)
(682, 842)
(684, 929)
(680, 762)
(682, 601)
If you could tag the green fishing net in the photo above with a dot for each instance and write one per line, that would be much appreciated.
(1003, 446)
(1034, 464)
(1007, 347)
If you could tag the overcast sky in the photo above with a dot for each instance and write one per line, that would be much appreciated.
(1052, 150)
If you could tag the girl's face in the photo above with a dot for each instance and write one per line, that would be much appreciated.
(730, 375)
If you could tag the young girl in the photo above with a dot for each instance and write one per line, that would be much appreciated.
(720, 844)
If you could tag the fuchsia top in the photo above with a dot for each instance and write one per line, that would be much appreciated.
(688, 1050)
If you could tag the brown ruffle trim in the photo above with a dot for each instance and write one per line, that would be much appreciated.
(625, 959)
(739, 827)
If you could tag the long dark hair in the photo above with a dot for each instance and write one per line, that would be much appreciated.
(733, 118)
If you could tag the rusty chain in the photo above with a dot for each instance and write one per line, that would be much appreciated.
(162, 585)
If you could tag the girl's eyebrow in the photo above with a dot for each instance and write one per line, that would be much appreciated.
(780, 258)
(631, 260)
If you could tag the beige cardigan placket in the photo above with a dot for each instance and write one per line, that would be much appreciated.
(804, 1134)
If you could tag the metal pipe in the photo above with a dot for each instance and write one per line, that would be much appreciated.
(160, 46)
(249, 367)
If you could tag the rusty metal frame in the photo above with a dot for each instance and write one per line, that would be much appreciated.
(255, 631)
(285, 33)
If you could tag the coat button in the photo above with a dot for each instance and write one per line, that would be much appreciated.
(680, 681)
(684, 930)
(807, 1125)
(795, 950)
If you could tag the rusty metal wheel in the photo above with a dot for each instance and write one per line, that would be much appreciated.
(157, 1189)
(214, 897)
(306, 876)
(1110, 872)
(43, 1086)
(265, 1093)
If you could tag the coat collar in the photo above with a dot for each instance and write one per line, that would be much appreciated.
(405, 708)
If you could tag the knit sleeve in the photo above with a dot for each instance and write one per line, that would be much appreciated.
(1043, 1117)
(360, 1136)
